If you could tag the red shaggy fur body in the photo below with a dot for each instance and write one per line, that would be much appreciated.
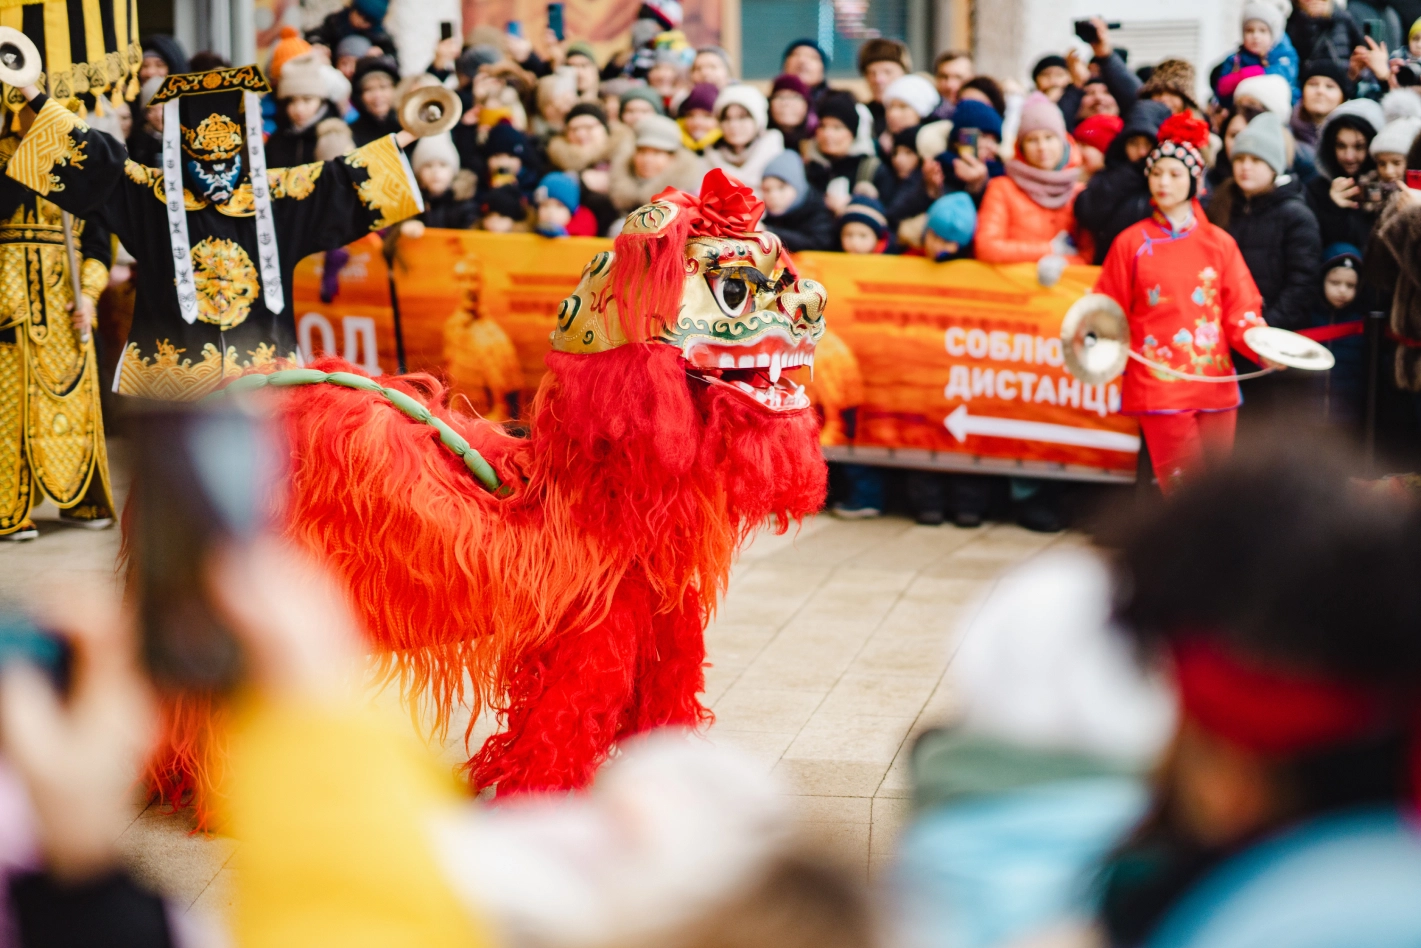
(576, 605)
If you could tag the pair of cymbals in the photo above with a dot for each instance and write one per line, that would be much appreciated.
(20, 62)
(1095, 341)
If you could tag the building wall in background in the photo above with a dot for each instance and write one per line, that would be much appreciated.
(1012, 34)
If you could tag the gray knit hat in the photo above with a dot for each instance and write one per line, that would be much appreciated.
(1263, 139)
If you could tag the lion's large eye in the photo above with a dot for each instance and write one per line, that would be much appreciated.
(732, 294)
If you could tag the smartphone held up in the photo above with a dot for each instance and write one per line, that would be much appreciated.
(206, 478)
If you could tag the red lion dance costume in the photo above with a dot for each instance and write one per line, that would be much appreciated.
(576, 594)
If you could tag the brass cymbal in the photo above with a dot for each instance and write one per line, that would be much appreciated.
(1095, 339)
(20, 62)
(429, 110)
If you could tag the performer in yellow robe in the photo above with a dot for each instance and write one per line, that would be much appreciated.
(51, 428)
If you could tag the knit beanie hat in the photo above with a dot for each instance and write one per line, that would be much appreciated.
(916, 91)
(1272, 91)
(1174, 76)
(1182, 137)
(884, 50)
(793, 84)
(287, 48)
(979, 115)
(1099, 131)
(789, 168)
(353, 45)
(953, 217)
(1401, 103)
(1038, 114)
(584, 49)
(303, 75)
(372, 10)
(1330, 69)
(1262, 138)
(504, 139)
(865, 210)
(701, 97)
(434, 148)
(1047, 62)
(658, 131)
(748, 98)
(505, 201)
(812, 44)
(1415, 28)
(908, 138)
(587, 108)
(1340, 255)
(561, 187)
(645, 94)
(841, 106)
(333, 139)
(1397, 137)
(1268, 13)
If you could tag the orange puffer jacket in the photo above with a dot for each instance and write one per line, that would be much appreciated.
(1012, 228)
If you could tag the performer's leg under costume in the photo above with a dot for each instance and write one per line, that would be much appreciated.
(1182, 443)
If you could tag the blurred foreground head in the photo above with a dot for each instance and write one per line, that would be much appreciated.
(1282, 596)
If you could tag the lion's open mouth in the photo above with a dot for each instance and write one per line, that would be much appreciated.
(753, 370)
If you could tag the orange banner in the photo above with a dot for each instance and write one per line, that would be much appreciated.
(953, 366)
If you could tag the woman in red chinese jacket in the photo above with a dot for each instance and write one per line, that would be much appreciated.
(1188, 296)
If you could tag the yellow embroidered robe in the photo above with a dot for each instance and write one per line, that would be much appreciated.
(51, 426)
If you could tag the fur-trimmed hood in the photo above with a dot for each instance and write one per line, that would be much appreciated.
(1390, 266)
(628, 192)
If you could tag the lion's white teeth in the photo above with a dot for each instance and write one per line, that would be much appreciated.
(747, 362)
(762, 361)
(774, 368)
(727, 361)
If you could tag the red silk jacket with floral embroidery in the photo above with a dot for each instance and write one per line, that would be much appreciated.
(1188, 296)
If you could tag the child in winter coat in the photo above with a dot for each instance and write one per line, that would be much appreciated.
(794, 211)
(863, 227)
(907, 195)
(1266, 49)
(1342, 391)
(1027, 213)
(504, 210)
(1342, 158)
(747, 143)
(1379, 186)
(972, 160)
(436, 166)
(952, 222)
(560, 210)
(1264, 212)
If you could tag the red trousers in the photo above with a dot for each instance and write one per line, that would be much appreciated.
(1182, 443)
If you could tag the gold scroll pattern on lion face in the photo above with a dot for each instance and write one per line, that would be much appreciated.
(745, 315)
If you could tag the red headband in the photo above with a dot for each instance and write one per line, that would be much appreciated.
(1268, 711)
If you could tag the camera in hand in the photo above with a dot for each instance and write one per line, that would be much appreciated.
(1408, 74)
(205, 479)
(1086, 30)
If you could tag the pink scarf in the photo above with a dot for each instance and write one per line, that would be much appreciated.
(1050, 189)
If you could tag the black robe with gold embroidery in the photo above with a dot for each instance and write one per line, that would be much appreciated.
(315, 207)
(51, 426)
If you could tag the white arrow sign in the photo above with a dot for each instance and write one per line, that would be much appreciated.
(961, 424)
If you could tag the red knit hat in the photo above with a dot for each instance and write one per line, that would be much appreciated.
(1099, 131)
(1183, 138)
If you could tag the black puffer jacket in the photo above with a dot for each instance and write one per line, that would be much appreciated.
(807, 226)
(1278, 236)
(1340, 225)
(1119, 195)
(446, 210)
(1331, 37)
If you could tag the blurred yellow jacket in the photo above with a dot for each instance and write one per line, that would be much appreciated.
(332, 809)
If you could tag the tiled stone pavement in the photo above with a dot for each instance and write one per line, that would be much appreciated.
(827, 657)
